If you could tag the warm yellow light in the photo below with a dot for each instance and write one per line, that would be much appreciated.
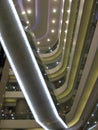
(52, 31)
(28, 0)
(65, 40)
(48, 40)
(23, 12)
(29, 11)
(53, 21)
(68, 11)
(67, 22)
(38, 42)
(54, 10)
(65, 31)
(27, 22)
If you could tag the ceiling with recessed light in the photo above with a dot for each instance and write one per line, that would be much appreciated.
(65, 33)
(44, 19)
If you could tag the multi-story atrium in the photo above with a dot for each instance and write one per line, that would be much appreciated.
(57, 89)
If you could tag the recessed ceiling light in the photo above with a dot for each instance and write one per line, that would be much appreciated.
(57, 62)
(68, 11)
(52, 31)
(61, 21)
(60, 81)
(27, 22)
(92, 115)
(54, 10)
(28, 0)
(29, 11)
(38, 42)
(65, 40)
(95, 122)
(67, 67)
(70, 0)
(66, 31)
(23, 12)
(67, 21)
(60, 31)
(48, 40)
(53, 21)
(62, 10)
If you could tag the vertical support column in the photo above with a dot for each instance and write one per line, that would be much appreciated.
(26, 69)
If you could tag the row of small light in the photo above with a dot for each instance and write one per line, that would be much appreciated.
(66, 29)
(67, 21)
(54, 10)
(56, 63)
(12, 88)
(52, 31)
(29, 11)
(7, 115)
(92, 117)
(53, 21)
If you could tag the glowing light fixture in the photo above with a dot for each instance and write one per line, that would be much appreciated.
(92, 115)
(28, 0)
(27, 22)
(68, 11)
(95, 122)
(64, 39)
(54, 10)
(67, 21)
(53, 21)
(66, 31)
(60, 81)
(29, 11)
(52, 31)
(62, 10)
(23, 12)
(57, 62)
(48, 40)
(70, 0)
(60, 31)
(38, 42)
(61, 21)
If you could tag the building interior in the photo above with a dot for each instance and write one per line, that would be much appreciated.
(64, 35)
